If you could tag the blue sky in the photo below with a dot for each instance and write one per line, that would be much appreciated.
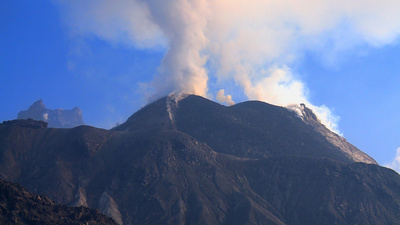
(55, 51)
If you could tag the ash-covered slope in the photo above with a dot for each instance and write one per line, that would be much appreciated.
(350, 150)
(194, 161)
(18, 206)
(58, 118)
(250, 129)
(146, 177)
(313, 191)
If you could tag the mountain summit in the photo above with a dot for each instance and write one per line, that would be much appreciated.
(250, 129)
(184, 159)
(57, 118)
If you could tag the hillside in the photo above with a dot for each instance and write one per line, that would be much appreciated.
(188, 160)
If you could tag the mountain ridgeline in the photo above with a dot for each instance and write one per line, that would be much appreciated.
(184, 159)
(251, 129)
(57, 118)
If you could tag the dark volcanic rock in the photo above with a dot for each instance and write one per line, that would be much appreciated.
(348, 149)
(173, 179)
(311, 191)
(194, 161)
(18, 206)
(58, 118)
(250, 129)
(26, 123)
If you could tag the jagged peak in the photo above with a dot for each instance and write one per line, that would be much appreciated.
(38, 105)
(57, 118)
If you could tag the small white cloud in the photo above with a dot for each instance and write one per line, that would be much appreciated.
(221, 97)
(395, 164)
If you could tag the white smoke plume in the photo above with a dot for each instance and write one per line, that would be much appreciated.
(221, 97)
(254, 43)
(395, 164)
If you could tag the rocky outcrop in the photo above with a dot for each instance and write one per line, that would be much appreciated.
(57, 118)
(108, 207)
(27, 123)
(18, 206)
(340, 142)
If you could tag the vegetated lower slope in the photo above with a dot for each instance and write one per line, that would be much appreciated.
(18, 206)
(197, 162)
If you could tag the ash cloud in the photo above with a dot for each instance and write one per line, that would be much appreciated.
(254, 43)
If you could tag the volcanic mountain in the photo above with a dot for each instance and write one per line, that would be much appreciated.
(251, 129)
(184, 159)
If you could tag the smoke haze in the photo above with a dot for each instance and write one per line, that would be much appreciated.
(253, 43)
(395, 164)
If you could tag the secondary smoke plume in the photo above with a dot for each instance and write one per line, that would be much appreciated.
(221, 97)
(395, 164)
(253, 43)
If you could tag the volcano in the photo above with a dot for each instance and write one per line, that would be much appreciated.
(184, 159)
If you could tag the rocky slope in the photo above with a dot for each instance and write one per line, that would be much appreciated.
(250, 129)
(18, 206)
(187, 160)
(57, 118)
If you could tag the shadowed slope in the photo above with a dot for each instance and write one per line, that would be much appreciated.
(250, 129)
(310, 191)
(194, 161)
(18, 206)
